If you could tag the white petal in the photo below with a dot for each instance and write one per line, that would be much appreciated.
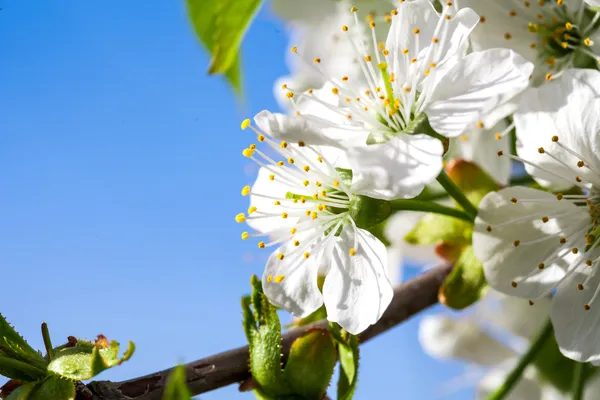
(395, 267)
(566, 107)
(356, 290)
(298, 293)
(273, 188)
(469, 89)
(575, 328)
(309, 129)
(449, 338)
(504, 262)
(397, 227)
(593, 3)
(527, 388)
(481, 147)
(399, 168)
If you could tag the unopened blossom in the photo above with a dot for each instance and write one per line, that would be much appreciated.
(301, 206)
(416, 88)
(533, 243)
(554, 34)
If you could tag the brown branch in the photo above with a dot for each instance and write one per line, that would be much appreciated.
(232, 366)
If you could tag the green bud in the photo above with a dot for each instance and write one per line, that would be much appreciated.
(466, 283)
(437, 229)
(368, 212)
(471, 179)
(311, 363)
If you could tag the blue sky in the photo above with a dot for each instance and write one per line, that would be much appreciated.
(120, 174)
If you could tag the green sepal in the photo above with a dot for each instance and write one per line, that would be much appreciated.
(466, 283)
(86, 360)
(263, 331)
(435, 228)
(368, 212)
(176, 387)
(12, 345)
(311, 363)
(51, 388)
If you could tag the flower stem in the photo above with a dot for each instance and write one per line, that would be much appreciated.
(47, 341)
(515, 374)
(428, 206)
(457, 194)
(579, 376)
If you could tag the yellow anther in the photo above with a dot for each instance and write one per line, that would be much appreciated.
(354, 9)
(276, 203)
(548, 76)
(279, 278)
(587, 41)
(352, 251)
(555, 139)
(345, 78)
(405, 51)
(541, 266)
(302, 200)
(245, 235)
(480, 124)
(296, 243)
(280, 163)
(507, 36)
(368, 58)
(394, 12)
(270, 278)
(318, 184)
(500, 153)
(313, 215)
(320, 159)
(272, 177)
(447, 17)
(261, 245)
(284, 86)
(416, 31)
(569, 26)
(284, 215)
(289, 95)
(294, 49)
(251, 209)
(248, 152)
(580, 164)
(307, 212)
(335, 90)
(513, 200)
(240, 217)
(283, 144)
(413, 60)
(280, 256)
(482, 19)
(372, 24)
(306, 168)
(435, 40)
(301, 144)
(317, 60)
(306, 254)
(559, 196)
(336, 183)
(498, 136)
(290, 160)
(344, 28)
(261, 138)
(464, 138)
(252, 146)
(306, 183)
(245, 123)
(245, 190)
(545, 219)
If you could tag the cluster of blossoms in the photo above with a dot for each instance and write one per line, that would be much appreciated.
(379, 103)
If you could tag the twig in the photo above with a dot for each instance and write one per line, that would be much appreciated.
(231, 366)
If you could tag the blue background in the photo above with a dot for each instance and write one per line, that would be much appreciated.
(120, 174)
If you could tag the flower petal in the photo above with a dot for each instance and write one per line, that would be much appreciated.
(356, 290)
(521, 255)
(450, 338)
(399, 168)
(310, 129)
(481, 147)
(298, 291)
(526, 388)
(473, 86)
(575, 328)
(567, 108)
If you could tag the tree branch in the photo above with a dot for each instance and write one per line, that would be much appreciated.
(231, 366)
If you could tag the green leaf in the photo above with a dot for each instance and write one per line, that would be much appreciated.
(16, 369)
(87, 360)
(176, 387)
(53, 388)
(220, 25)
(23, 392)
(348, 354)
(435, 228)
(465, 284)
(311, 363)
(14, 346)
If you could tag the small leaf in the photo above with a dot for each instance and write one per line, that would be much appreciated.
(348, 354)
(53, 388)
(15, 369)
(23, 392)
(466, 283)
(311, 363)
(14, 346)
(176, 387)
(85, 361)
(220, 25)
